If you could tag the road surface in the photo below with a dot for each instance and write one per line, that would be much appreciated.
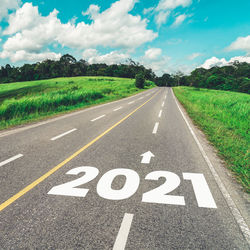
(124, 175)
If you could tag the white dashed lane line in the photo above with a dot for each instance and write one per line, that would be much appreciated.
(131, 102)
(117, 109)
(163, 104)
(10, 160)
(97, 118)
(160, 113)
(122, 236)
(61, 135)
(155, 128)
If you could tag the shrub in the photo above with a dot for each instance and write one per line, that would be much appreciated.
(139, 80)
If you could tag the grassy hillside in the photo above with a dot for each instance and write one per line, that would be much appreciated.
(224, 117)
(23, 102)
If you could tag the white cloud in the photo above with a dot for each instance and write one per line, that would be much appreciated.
(194, 55)
(114, 27)
(172, 4)
(241, 43)
(114, 57)
(155, 60)
(161, 17)
(214, 61)
(7, 5)
(153, 53)
(24, 18)
(22, 55)
(179, 20)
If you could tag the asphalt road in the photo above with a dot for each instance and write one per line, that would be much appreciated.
(120, 198)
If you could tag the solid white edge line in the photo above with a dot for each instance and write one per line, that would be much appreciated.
(97, 118)
(160, 113)
(236, 213)
(117, 109)
(122, 236)
(155, 128)
(10, 159)
(61, 135)
(131, 102)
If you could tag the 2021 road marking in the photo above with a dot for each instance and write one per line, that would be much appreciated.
(131, 102)
(10, 160)
(158, 195)
(61, 135)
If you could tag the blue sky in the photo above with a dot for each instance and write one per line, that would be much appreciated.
(166, 35)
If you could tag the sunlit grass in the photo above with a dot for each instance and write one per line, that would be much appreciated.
(23, 102)
(224, 117)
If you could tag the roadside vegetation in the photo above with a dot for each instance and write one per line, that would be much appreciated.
(224, 118)
(22, 102)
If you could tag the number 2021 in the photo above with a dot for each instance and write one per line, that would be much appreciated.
(158, 195)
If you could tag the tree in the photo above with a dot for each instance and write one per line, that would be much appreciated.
(139, 80)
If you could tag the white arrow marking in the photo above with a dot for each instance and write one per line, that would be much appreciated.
(146, 157)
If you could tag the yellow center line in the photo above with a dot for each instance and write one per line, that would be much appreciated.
(53, 170)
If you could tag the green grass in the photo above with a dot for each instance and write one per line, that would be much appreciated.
(224, 118)
(23, 102)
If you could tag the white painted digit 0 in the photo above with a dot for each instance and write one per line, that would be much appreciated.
(159, 194)
(70, 188)
(131, 184)
(201, 190)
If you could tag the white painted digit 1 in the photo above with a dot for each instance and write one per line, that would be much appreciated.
(159, 194)
(131, 185)
(70, 188)
(201, 190)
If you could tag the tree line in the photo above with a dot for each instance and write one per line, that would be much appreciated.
(234, 77)
(68, 66)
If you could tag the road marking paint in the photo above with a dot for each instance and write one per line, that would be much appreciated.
(122, 236)
(155, 128)
(117, 109)
(97, 118)
(160, 113)
(131, 102)
(141, 98)
(163, 104)
(61, 135)
(10, 159)
(146, 157)
(147, 94)
(60, 165)
(236, 213)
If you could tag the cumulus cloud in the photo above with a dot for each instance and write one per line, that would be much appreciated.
(7, 5)
(155, 60)
(114, 57)
(241, 43)
(179, 20)
(214, 61)
(153, 53)
(114, 27)
(23, 55)
(194, 55)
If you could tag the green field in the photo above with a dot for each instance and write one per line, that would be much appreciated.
(23, 102)
(224, 118)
